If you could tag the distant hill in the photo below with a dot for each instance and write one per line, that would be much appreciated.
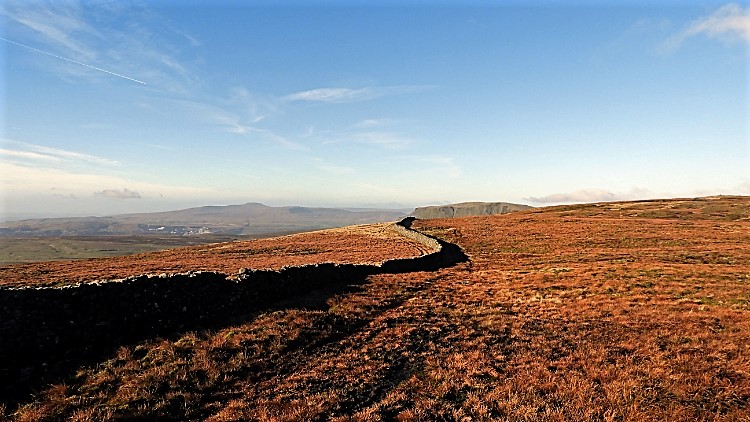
(247, 219)
(466, 209)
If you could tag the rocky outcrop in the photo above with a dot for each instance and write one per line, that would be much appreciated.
(46, 331)
(466, 209)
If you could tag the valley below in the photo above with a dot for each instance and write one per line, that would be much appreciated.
(14, 250)
(53, 239)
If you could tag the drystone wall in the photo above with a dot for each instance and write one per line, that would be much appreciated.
(430, 242)
(44, 331)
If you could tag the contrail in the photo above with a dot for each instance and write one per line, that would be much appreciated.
(73, 61)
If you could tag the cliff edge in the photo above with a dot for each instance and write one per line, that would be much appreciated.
(466, 209)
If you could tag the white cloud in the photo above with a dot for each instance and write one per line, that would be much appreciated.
(348, 95)
(161, 147)
(729, 22)
(40, 152)
(71, 155)
(279, 140)
(583, 195)
(233, 123)
(331, 95)
(101, 38)
(254, 107)
(57, 22)
(27, 169)
(740, 187)
(591, 195)
(372, 123)
(48, 191)
(383, 139)
(228, 121)
(23, 180)
(27, 155)
(125, 193)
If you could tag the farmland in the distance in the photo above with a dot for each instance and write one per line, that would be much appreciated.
(14, 250)
(47, 239)
(612, 311)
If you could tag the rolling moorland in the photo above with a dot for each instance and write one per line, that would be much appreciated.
(611, 311)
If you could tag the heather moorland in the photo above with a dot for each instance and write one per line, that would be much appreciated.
(610, 311)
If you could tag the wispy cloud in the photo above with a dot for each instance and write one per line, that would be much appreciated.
(383, 139)
(729, 22)
(591, 195)
(71, 155)
(231, 122)
(350, 95)
(331, 95)
(118, 194)
(99, 38)
(374, 123)
(161, 147)
(39, 152)
(20, 179)
(255, 107)
(74, 61)
(59, 23)
(27, 155)
(280, 140)
(224, 119)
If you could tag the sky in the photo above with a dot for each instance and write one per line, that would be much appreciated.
(113, 106)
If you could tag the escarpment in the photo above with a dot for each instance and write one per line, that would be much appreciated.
(467, 209)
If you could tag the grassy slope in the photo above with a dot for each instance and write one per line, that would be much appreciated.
(16, 250)
(366, 243)
(633, 311)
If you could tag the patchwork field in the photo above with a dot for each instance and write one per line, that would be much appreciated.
(616, 311)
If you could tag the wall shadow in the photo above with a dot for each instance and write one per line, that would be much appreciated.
(47, 333)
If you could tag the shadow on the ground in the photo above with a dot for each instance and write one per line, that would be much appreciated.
(47, 334)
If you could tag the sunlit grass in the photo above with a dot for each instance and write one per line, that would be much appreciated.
(559, 316)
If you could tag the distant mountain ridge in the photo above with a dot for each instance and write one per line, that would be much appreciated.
(246, 219)
(466, 209)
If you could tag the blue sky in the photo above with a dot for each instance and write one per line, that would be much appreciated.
(119, 106)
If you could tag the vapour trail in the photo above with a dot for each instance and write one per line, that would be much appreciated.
(73, 61)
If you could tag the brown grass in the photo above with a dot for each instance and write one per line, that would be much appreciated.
(568, 313)
(363, 244)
